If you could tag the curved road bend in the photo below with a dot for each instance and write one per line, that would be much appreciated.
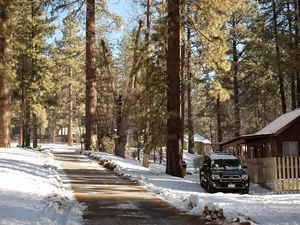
(113, 200)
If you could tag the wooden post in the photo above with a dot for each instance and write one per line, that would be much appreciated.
(288, 177)
(297, 174)
(275, 175)
(293, 178)
(283, 173)
(279, 160)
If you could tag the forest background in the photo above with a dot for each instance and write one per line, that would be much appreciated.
(221, 68)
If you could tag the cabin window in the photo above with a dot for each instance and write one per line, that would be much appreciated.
(269, 150)
(290, 148)
(253, 151)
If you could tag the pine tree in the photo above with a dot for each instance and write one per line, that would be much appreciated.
(297, 38)
(107, 96)
(278, 57)
(147, 136)
(189, 86)
(240, 24)
(150, 110)
(91, 91)
(6, 71)
(68, 56)
(32, 67)
(174, 123)
(128, 98)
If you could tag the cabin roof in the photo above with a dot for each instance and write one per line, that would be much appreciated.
(280, 122)
(198, 138)
(274, 128)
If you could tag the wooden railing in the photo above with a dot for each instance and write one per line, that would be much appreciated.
(281, 174)
(286, 175)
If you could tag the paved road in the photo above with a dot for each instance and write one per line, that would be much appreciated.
(113, 200)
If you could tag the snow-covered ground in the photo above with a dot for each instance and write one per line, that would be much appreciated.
(31, 191)
(262, 206)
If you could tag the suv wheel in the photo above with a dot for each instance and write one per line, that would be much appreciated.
(201, 181)
(210, 189)
(245, 191)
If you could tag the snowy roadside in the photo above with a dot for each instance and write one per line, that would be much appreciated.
(32, 192)
(262, 206)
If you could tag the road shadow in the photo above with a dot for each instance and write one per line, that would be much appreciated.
(112, 199)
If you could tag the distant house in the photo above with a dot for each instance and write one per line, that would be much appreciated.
(63, 134)
(278, 139)
(75, 130)
(201, 144)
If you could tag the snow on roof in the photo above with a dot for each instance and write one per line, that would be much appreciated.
(198, 138)
(280, 122)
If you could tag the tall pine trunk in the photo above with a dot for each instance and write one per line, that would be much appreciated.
(182, 74)
(278, 61)
(5, 72)
(189, 93)
(91, 86)
(5, 114)
(125, 103)
(27, 129)
(120, 148)
(34, 131)
(21, 122)
(53, 135)
(70, 115)
(148, 133)
(182, 93)
(219, 126)
(33, 77)
(174, 122)
(236, 94)
(291, 70)
(21, 127)
(120, 140)
(297, 22)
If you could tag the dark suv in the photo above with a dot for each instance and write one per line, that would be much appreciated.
(223, 171)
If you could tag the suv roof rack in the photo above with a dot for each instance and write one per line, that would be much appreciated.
(221, 155)
(218, 153)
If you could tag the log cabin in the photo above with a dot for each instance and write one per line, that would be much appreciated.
(280, 138)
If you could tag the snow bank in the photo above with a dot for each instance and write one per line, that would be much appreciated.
(31, 190)
(260, 206)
